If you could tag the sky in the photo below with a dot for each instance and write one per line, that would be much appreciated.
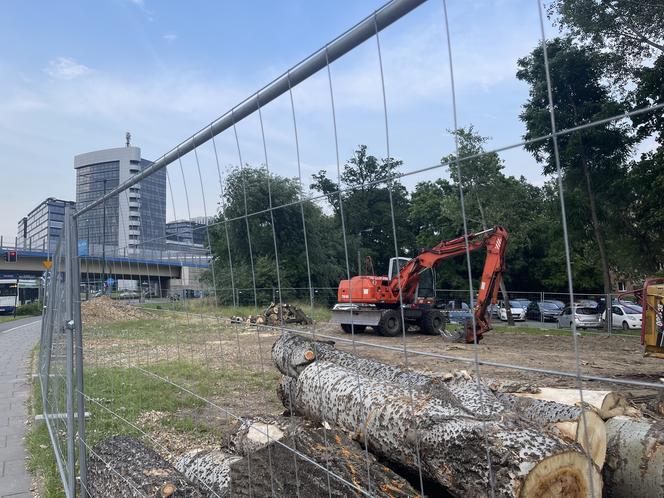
(76, 75)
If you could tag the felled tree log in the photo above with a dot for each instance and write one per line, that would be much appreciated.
(572, 423)
(122, 466)
(292, 353)
(607, 403)
(286, 468)
(635, 458)
(452, 446)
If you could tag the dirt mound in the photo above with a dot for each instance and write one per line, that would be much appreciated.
(104, 309)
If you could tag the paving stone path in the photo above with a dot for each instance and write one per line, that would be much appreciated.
(17, 338)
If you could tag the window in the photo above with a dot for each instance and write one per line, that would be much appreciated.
(616, 311)
(134, 218)
(133, 208)
(621, 286)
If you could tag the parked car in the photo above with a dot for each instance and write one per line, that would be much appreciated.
(625, 316)
(558, 304)
(493, 310)
(542, 311)
(129, 294)
(585, 317)
(459, 314)
(588, 303)
(523, 301)
(518, 311)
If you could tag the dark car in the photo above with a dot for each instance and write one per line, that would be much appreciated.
(542, 311)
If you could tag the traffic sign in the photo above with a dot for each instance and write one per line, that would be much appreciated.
(47, 264)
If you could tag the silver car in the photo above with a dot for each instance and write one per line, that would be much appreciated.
(584, 317)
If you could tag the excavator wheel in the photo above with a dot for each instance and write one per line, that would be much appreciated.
(390, 324)
(432, 322)
(348, 328)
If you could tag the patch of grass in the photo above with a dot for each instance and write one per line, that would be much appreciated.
(118, 393)
(518, 329)
(207, 307)
(6, 318)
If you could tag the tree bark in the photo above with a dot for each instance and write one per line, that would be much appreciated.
(607, 403)
(123, 467)
(284, 466)
(450, 446)
(635, 458)
(599, 236)
(291, 353)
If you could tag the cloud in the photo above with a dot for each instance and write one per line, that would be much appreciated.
(140, 3)
(170, 37)
(64, 68)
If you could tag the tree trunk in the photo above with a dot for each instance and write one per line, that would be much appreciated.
(635, 458)
(450, 446)
(607, 403)
(284, 466)
(599, 236)
(122, 466)
(291, 353)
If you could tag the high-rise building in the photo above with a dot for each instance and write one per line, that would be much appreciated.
(192, 232)
(40, 229)
(136, 218)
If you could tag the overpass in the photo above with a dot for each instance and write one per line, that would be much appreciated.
(160, 272)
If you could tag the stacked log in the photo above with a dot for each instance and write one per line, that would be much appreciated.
(450, 436)
(276, 314)
(123, 467)
(297, 459)
(292, 353)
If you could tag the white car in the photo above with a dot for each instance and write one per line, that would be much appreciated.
(626, 316)
(584, 317)
(518, 311)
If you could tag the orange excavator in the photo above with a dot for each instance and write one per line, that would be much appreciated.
(378, 302)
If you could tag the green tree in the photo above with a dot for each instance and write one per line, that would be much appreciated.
(283, 223)
(370, 191)
(593, 159)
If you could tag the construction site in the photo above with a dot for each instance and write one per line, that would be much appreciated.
(358, 304)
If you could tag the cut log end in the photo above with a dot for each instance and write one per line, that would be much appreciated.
(591, 435)
(566, 474)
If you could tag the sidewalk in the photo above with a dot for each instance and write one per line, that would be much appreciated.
(17, 338)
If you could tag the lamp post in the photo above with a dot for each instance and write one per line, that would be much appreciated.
(103, 240)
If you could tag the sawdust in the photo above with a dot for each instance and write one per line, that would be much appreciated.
(104, 309)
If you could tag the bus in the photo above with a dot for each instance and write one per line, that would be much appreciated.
(8, 295)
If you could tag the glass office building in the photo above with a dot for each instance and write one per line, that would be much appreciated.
(187, 232)
(136, 218)
(40, 229)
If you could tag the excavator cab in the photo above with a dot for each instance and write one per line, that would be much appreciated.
(426, 286)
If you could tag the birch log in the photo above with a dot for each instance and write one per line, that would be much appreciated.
(298, 459)
(450, 446)
(292, 353)
(635, 458)
(123, 467)
(607, 403)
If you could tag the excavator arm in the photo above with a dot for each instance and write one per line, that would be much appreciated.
(495, 242)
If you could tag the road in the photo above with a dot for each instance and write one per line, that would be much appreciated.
(17, 338)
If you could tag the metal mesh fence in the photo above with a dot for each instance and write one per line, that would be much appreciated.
(213, 356)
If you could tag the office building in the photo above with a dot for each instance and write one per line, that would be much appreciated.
(192, 232)
(134, 219)
(40, 229)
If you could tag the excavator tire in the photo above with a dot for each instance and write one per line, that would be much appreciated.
(390, 324)
(432, 322)
(348, 328)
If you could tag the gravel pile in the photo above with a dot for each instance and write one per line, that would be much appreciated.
(104, 309)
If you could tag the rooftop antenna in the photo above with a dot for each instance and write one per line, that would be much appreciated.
(128, 138)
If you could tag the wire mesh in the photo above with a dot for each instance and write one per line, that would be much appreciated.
(179, 329)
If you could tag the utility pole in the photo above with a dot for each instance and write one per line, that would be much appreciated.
(103, 240)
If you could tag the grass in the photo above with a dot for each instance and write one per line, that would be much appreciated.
(208, 307)
(120, 395)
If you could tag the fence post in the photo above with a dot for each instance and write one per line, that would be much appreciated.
(69, 338)
(78, 339)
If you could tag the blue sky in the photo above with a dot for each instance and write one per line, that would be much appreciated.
(75, 75)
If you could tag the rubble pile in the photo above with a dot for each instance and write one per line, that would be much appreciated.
(104, 309)
(276, 314)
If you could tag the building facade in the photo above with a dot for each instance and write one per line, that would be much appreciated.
(40, 229)
(133, 220)
(190, 232)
